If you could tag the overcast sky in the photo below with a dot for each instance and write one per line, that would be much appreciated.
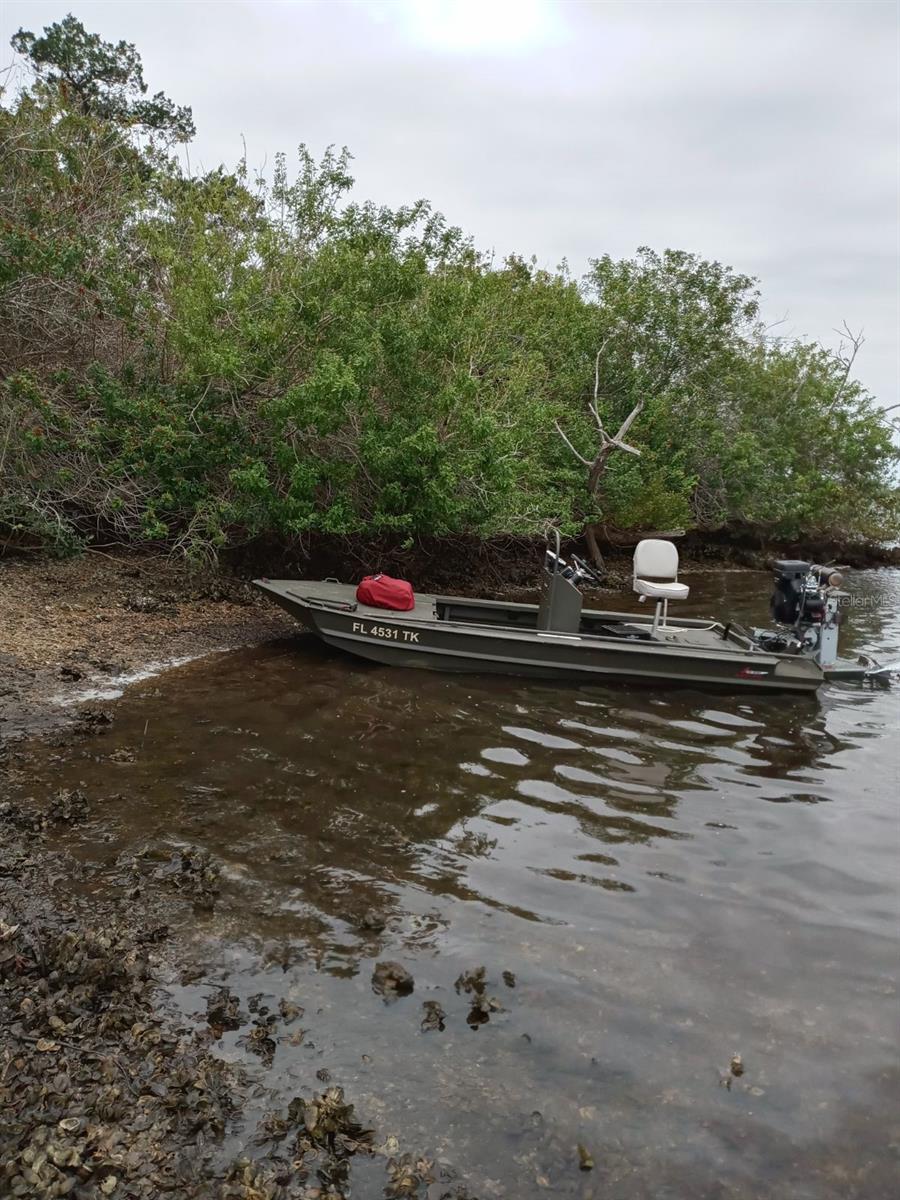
(764, 135)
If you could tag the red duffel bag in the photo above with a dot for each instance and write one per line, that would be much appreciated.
(383, 592)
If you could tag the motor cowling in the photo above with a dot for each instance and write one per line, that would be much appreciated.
(794, 601)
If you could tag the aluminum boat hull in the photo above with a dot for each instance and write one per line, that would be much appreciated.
(447, 633)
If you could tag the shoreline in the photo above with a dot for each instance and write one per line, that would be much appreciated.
(75, 632)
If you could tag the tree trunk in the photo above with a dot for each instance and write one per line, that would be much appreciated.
(590, 536)
(597, 465)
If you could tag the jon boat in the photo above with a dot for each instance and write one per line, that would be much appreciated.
(560, 640)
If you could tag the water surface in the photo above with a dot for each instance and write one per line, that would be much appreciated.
(672, 877)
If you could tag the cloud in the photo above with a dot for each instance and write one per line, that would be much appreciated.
(471, 26)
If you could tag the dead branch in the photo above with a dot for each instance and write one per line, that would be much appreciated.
(597, 465)
(846, 356)
(585, 461)
(626, 425)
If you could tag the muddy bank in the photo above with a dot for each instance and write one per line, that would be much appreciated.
(80, 626)
(747, 546)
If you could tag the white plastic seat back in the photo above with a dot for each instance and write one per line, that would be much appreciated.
(655, 559)
(656, 577)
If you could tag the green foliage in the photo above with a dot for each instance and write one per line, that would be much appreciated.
(196, 360)
(100, 79)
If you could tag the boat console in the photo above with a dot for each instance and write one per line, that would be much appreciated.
(559, 610)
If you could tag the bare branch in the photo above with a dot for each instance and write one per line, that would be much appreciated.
(629, 420)
(585, 461)
(593, 404)
(775, 324)
(857, 341)
(607, 444)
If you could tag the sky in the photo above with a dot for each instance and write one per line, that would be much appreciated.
(765, 135)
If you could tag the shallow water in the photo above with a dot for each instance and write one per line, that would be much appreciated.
(672, 877)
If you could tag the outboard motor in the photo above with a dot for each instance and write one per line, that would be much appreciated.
(793, 602)
(808, 600)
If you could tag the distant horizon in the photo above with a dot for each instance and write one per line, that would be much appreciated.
(763, 136)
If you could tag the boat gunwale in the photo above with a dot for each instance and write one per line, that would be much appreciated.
(729, 651)
(804, 681)
(279, 587)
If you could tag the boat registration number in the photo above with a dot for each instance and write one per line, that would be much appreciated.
(385, 631)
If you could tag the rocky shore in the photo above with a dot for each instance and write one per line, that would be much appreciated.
(82, 626)
(106, 1091)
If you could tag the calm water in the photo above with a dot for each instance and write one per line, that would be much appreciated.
(672, 877)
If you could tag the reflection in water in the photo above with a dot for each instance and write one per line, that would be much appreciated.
(672, 877)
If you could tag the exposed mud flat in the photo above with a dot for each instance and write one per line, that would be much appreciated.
(79, 630)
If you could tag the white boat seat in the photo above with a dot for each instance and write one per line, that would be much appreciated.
(656, 577)
(661, 591)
